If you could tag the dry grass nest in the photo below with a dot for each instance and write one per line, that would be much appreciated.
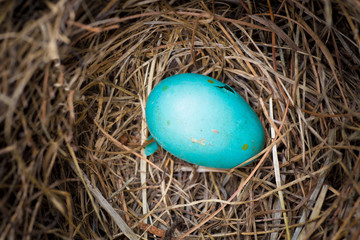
(75, 77)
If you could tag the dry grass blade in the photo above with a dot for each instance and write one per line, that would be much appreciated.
(75, 77)
(105, 204)
(277, 172)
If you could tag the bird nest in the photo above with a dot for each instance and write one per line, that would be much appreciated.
(75, 77)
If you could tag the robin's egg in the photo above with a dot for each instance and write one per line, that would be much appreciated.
(203, 121)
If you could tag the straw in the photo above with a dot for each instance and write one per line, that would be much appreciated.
(75, 78)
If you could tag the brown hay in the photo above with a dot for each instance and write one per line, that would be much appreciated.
(75, 77)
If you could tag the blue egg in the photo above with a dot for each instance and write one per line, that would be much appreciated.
(203, 121)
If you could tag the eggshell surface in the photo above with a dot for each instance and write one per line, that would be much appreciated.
(203, 121)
